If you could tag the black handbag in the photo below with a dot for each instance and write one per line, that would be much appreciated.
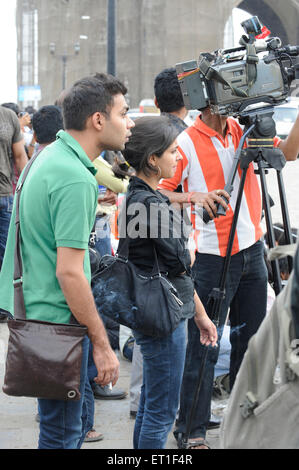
(145, 302)
(43, 359)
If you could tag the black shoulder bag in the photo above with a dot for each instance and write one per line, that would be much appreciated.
(145, 302)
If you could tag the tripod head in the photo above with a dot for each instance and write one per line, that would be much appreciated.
(260, 142)
(259, 130)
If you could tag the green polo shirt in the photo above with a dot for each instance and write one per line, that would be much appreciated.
(57, 209)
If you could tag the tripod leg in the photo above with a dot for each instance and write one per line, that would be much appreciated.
(285, 215)
(195, 399)
(269, 224)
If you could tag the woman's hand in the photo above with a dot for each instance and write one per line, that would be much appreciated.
(208, 331)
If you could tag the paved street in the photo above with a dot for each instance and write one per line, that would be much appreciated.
(19, 430)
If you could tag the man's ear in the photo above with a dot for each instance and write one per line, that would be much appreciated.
(97, 120)
(156, 103)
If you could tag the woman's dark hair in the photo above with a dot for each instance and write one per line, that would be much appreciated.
(150, 136)
(88, 96)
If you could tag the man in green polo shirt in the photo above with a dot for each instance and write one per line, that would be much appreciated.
(57, 213)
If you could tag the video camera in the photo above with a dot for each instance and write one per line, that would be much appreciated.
(229, 83)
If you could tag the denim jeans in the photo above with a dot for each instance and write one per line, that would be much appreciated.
(103, 242)
(64, 424)
(6, 203)
(246, 296)
(163, 363)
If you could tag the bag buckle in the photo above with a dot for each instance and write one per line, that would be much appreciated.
(92, 239)
(18, 282)
(249, 405)
(71, 394)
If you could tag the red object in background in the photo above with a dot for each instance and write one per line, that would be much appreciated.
(265, 33)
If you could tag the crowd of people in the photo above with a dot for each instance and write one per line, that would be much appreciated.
(89, 152)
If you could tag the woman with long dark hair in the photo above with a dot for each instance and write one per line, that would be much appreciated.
(153, 153)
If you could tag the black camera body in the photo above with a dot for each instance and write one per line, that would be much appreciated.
(229, 83)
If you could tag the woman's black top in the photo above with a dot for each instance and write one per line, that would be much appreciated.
(151, 221)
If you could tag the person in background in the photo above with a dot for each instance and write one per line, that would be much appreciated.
(12, 155)
(25, 123)
(169, 99)
(46, 123)
(110, 186)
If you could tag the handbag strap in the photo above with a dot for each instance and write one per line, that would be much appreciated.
(123, 248)
(19, 302)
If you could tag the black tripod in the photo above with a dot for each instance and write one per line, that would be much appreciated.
(260, 130)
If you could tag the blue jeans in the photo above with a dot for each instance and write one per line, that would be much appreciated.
(246, 296)
(64, 424)
(6, 203)
(103, 242)
(163, 363)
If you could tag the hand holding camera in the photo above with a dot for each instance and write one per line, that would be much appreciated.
(211, 201)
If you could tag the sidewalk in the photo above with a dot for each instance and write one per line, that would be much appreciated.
(19, 430)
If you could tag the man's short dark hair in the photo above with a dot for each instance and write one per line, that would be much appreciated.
(88, 96)
(168, 92)
(46, 122)
(13, 106)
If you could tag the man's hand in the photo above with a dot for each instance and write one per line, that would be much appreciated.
(110, 198)
(25, 120)
(209, 200)
(107, 365)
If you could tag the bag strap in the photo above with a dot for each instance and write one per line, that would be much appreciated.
(123, 248)
(19, 302)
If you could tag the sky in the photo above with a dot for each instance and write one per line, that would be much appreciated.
(8, 48)
(8, 51)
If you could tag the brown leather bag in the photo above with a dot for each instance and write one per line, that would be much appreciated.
(43, 359)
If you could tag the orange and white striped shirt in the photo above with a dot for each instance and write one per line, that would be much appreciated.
(206, 166)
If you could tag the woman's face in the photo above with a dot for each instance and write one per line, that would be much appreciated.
(168, 162)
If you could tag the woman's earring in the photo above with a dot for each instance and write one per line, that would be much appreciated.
(160, 171)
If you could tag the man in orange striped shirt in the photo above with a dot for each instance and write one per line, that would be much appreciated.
(208, 148)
